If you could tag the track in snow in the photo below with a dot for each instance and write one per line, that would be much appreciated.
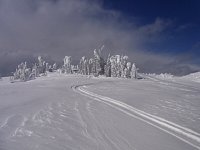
(184, 134)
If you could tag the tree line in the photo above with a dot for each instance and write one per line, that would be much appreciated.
(112, 66)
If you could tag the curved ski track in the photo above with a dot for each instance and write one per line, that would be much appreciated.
(184, 134)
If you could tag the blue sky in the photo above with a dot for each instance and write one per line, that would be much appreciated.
(158, 35)
(183, 34)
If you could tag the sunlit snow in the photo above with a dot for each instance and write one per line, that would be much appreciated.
(60, 111)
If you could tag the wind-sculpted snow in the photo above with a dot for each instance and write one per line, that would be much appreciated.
(66, 125)
(47, 114)
(176, 100)
(160, 123)
(193, 77)
(56, 120)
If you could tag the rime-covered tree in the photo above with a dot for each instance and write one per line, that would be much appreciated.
(124, 60)
(114, 66)
(41, 65)
(67, 64)
(113, 61)
(108, 67)
(84, 66)
(98, 63)
(54, 67)
(134, 71)
(22, 72)
(128, 70)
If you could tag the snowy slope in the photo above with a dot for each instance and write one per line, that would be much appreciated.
(77, 112)
(193, 77)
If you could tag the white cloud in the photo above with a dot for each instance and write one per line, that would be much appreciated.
(72, 27)
(156, 27)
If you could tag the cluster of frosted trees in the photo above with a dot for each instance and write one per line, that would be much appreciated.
(25, 73)
(114, 66)
(119, 66)
(68, 67)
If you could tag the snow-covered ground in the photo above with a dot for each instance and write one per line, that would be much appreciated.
(193, 77)
(79, 112)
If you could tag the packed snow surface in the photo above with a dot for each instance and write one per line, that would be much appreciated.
(82, 112)
(193, 77)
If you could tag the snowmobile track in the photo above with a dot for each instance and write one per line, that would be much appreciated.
(184, 134)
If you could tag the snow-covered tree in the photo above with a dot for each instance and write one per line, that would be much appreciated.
(124, 60)
(22, 72)
(41, 66)
(113, 61)
(114, 66)
(67, 64)
(108, 67)
(35, 71)
(128, 70)
(98, 63)
(134, 71)
(54, 67)
(84, 66)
